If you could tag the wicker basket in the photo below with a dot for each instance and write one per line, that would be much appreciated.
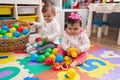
(14, 44)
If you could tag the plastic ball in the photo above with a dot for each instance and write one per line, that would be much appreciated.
(46, 54)
(12, 30)
(55, 51)
(25, 31)
(20, 28)
(15, 25)
(4, 36)
(8, 29)
(1, 36)
(16, 34)
(4, 27)
(9, 35)
(34, 57)
(41, 58)
(52, 56)
(44, 42)
(0, 31)
(49, 50)
(21, 34)
(10, 25)
(59, 58)
(3, 32)
(48, 61)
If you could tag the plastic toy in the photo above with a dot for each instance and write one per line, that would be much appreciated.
(44, 42)
(16, 34)
(59, 58)
(66, 4)
(34, 57)
(77, 4)
(73, 52)
(52, 56)
(56, 66)
(41, 58)
(68, 60)
(48, 50)
(70, 74)
(48, 61)
(15, 25)
(55, 51)
(25, 31)
(20, 28)
(46, 54)
(12, 30)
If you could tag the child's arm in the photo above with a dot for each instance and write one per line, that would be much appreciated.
(36, 24)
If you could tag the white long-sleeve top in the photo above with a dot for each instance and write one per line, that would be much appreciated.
(50, 30)
(81, 41)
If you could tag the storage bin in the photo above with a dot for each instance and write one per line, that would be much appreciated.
(26, 9)
(14, 44)
(32, 18)
(5, 10)
(3, 17)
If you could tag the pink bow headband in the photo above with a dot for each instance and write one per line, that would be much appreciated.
(75, 16)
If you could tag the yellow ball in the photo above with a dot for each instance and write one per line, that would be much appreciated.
(9, 35)
(1, 36)
(52, 56)
(55, 51)
(12, 30)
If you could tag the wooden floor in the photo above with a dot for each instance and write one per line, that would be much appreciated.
(109, 41)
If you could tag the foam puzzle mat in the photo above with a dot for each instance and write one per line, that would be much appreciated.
(101, 64)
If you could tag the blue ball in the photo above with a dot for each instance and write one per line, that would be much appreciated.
(59, 58)
(16, 34)
(4, 36)
(4, 27)
(34, 57)
(25, 31)
(8, 29)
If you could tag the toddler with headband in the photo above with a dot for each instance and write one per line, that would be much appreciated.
(76, 40)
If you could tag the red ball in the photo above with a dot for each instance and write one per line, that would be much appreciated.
(20, 28)
(48, 61)
(10, 25)
(38, 39)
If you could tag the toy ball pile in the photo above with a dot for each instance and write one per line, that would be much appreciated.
(14, 30)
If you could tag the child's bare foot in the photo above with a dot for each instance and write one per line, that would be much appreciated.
(74, 64)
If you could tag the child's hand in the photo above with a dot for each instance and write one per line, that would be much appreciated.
(74, 64)
(31, 23)
(47, 39)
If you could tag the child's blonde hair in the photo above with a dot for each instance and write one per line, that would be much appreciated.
(47, 6)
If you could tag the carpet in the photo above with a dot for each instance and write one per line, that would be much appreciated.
(101, 64)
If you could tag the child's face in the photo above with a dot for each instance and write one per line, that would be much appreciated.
(48, 16)
(73, 29)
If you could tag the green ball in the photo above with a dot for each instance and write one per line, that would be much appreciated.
(21, 34)
(46, 54)
(16, 25)
(3, 32)
(41, 58)
(48, 50)
(0, 31)
(44, 42)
